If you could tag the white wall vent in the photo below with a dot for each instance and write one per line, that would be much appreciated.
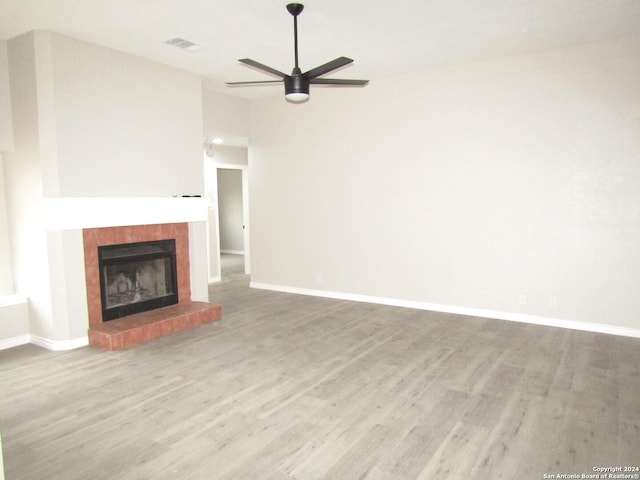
(185, 44)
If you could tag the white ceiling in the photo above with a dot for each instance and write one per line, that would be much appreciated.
(384, 37)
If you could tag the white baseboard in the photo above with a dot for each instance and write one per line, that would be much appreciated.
(14, 342)
(474, 312)
(14, 321)
(58, 345)
(54, 345)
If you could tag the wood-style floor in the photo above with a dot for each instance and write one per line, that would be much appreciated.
(291, 387)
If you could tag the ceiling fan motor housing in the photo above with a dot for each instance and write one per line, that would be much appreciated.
(296, 84)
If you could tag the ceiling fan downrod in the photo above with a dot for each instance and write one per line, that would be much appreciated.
(296, 87)
(295, 9)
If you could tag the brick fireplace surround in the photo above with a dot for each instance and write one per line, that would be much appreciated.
(133, 329)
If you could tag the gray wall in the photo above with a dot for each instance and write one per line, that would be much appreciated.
(505, 187)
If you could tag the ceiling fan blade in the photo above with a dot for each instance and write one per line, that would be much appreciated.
(337, 81)
(328, 67)
(256, 82)
(264, 68)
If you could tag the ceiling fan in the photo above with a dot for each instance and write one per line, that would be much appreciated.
(296, 85)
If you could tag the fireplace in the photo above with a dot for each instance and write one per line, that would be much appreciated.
(136, 277)
(159, 271)
(97, 239)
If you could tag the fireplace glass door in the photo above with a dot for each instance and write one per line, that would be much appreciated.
(136, 277)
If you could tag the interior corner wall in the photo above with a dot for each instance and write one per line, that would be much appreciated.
(225, 116)
(6, 125)
(213, 232)
(24, 182)
(508, 185)
(68, 288)
(6, 143)
(230, 155)
(198, 261)
(6, 272)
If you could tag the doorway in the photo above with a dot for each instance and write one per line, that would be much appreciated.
(232, 219)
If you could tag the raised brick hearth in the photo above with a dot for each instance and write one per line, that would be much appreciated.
(133, 329)
(140, 327)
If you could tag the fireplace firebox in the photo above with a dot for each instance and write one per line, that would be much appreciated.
(136, 277)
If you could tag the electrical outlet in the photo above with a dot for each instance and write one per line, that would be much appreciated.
(522, 299)
(553, 302)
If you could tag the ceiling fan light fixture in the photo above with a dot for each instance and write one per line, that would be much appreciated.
(297, 97)
(296, 88)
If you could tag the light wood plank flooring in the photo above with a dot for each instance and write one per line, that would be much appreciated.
(289, 387)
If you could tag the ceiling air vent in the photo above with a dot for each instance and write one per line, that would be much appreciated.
(185, 44)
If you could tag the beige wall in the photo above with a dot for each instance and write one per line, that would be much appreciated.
(6, 267)
(6, 127)
(130, 120)
(6, 143)
(226, 117)
(229, 155)
(506, 187)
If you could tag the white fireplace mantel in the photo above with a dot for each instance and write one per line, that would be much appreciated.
(75, 213)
